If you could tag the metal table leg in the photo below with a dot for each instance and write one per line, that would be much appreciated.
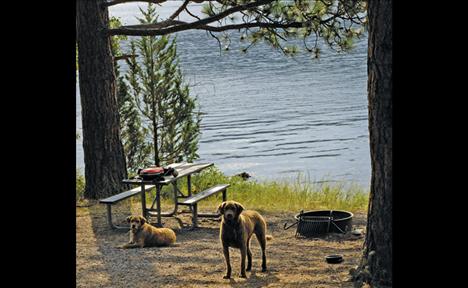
(158, 204)
(189, 189)
(109, 220)
(157, 200)
(195, 216)
(176, 201)
(189, 185)
(143, 201)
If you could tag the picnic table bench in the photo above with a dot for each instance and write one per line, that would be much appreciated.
(109, 201)
(193, 200)
(184, 170)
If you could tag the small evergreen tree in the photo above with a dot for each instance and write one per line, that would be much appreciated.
(131, 130)
(169, 112)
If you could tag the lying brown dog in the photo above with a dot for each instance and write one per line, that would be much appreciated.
(143, 234)
(237, 227)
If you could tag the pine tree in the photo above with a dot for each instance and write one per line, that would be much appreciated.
(156, 82)
(131, 130)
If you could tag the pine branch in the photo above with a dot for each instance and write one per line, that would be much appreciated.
(180, 9)
(150, 32)
(125, 30)
(115, 2)
(162, 24)
(191, 14)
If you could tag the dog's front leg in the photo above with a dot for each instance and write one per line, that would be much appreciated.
(228, 262)
(130, 245)
(243, 249)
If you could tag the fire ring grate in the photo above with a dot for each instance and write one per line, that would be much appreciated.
(313, 223)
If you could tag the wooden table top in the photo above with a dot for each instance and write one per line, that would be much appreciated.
(184, 169)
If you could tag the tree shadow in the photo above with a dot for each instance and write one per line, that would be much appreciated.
(254, 280)
(131, 267)
(197, 259)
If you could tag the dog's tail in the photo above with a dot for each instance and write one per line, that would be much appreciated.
(269, 237)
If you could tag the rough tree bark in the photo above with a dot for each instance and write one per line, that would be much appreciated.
(376, 266)
(104, 158)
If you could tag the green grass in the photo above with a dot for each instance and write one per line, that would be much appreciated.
(278, 196)
(80, 185)
(270, 196)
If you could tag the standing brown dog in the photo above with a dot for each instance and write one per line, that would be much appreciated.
(143, 234)
(237, 227)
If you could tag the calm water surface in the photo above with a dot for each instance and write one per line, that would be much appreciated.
(270, 115)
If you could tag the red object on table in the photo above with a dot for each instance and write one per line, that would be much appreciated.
(151, 173)
(152, 170)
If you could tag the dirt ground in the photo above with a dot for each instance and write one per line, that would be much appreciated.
(197, 259)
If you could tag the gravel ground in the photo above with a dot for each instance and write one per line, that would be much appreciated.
(197, 259)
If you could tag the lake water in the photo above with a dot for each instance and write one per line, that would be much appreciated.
(270, 115)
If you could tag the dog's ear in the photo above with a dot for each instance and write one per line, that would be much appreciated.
(129, 218)
(239, 208)
(221, 207)
(142, 220)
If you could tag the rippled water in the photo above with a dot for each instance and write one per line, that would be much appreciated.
(274, 116)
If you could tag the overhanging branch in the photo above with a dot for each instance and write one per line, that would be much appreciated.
(162, 24)
(115, 2)
(180, 9)
(139, 30)
(188, 26)
(255, 15)
(232, 10)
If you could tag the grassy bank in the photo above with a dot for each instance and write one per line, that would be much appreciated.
(80, 185)
(276, 196)
(271, 196)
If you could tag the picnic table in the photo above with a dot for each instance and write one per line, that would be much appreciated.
(185, 170)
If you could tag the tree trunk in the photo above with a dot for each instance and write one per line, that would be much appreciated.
(104, 157)
(376, 266)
